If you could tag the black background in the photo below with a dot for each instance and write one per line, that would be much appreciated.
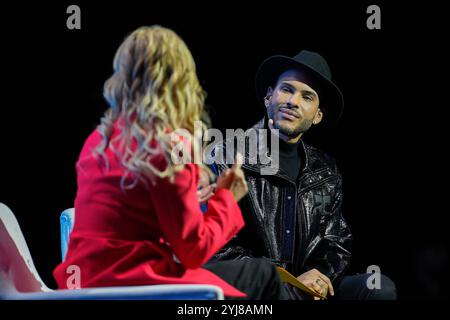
(386, 145)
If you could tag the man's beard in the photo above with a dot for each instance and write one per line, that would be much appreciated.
(288, 130)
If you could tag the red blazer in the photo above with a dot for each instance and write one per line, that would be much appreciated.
(154, 234)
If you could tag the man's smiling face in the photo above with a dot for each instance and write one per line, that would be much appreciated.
(293, 105)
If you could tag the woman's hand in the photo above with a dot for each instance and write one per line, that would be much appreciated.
(234, 179)
(204, 193)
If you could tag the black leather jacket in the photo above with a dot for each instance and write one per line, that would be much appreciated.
(298, 227)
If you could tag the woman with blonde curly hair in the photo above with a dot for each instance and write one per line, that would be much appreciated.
(138, 218)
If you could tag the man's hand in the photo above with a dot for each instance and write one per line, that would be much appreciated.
(317, 281)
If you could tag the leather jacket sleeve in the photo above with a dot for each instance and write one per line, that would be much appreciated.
(236, 248)
(332, 255)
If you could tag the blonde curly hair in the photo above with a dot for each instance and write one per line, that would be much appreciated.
(154, 90)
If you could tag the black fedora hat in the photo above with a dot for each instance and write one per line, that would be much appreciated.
(315, 65)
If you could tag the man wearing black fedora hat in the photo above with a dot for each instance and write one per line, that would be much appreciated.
(293, 217)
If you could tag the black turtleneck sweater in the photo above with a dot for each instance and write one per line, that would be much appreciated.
(290, 161)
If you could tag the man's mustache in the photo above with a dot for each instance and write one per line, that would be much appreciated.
(289, 110)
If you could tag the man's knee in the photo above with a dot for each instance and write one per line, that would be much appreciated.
(386, 291)
(264, 277)
(262, 267)
(366, 287)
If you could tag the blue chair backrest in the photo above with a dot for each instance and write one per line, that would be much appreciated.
(66, 221)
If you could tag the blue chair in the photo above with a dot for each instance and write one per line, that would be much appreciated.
(66, 221)
(19, 279)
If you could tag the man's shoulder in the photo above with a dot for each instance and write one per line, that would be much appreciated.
(318, 159)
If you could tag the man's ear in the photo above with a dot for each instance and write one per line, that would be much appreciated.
(268, 96)
(318, 117)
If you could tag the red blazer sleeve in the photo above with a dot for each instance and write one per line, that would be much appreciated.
(194, 236)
